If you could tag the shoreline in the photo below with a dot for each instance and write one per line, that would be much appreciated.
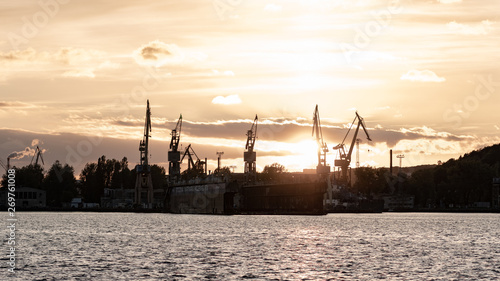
(159, 211)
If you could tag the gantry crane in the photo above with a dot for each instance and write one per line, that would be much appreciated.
(143, 170)
(322, 168)
(194, 168)
(174, 155)
(38, 154)
(345, 158)
(249, 156)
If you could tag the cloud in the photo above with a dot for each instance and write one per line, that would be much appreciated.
(449, 1)
(157, 53)
(108, 65)
(273, 8)
(232, 99)
(224, 73)
(422, 76)
(482, 28)
(86, 73)
(23, 57)
(66, 56)
(16, 104)
(76, 56)
(72, 62)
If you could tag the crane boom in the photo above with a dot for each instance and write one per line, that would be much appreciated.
(174, 155)
(322, 168)
(176, 135)
(199, 165)
(252, 134)
(345, 158)
(249, 156)
(38, 154)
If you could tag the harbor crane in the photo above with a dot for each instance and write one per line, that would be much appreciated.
(345, 158)
(143, 170)
(322, 168)
(194, 168)
(174, 155)
(249, 155)
(38, 154)
(3, 166)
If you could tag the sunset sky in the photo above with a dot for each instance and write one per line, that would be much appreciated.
(75, 77)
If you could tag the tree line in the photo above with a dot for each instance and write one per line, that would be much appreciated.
(457, 182)
(61, 186)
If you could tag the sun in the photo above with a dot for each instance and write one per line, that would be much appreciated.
(295, 156)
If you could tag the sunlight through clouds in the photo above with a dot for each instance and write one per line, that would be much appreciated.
(231, 99)
(482, 28)
(422, 76)
(79, 74)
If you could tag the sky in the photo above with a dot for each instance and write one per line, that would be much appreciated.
(75, 77)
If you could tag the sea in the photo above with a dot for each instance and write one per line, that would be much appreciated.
(137, 246)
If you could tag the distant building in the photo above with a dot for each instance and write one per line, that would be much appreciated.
(309, 171)
(399, 202)
(118, 198)
(78, 203)
(26, 197)
(124, 198)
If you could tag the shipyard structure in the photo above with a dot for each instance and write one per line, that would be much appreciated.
(198, 191)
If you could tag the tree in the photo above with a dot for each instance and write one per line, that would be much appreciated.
(273, 172)
(365, 180)
(90, 182)
(471, 181)
(29, 176)
(60, 184)
(371, 181)
(422, 186)
(223, 171)
(158, 176)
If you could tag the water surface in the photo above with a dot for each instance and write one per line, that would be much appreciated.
(129, 246)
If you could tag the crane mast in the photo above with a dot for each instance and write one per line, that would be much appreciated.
(143, 170)
(345, 158)
(174, 155)
(249, 156)
(322, 168)
(38, 154)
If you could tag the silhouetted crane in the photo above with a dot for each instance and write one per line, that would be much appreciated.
(174, 155)
(322, 168)
(143, 170)
(345, 158)
(194, 168)
(3, 166)
(249, 155)
(38, 154)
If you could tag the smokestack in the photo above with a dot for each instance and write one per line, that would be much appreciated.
(390, 169)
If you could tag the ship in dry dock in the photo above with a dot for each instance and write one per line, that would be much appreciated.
(199, 191)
